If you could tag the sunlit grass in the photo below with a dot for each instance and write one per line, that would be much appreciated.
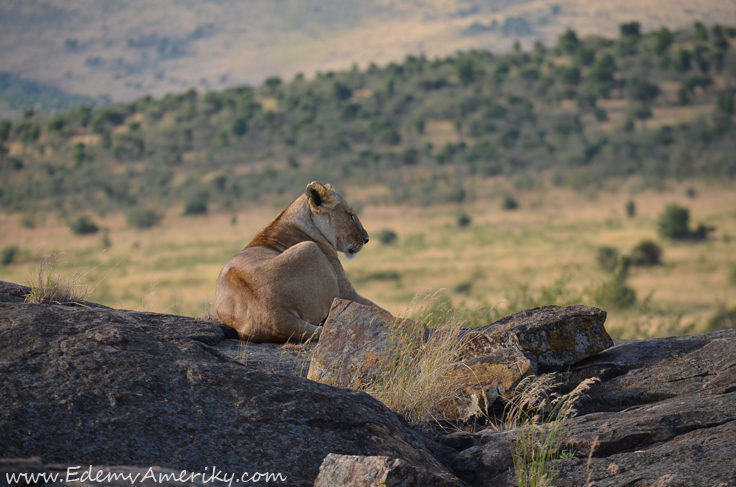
(539, 417)
(554, 233)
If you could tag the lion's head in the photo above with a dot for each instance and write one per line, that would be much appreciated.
(335, 219)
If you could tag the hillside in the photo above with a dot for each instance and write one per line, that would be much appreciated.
(424, 131)
(502, 177)
(127, 49)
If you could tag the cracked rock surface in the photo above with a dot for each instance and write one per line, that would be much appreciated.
(97, 386)
(664, 411)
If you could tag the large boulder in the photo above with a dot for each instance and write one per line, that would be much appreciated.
(355, 340)
(490, 361)
(555, 336)
(114, 387)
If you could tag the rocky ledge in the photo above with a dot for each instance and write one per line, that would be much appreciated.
(131, 392)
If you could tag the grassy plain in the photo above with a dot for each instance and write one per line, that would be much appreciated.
(547, 245)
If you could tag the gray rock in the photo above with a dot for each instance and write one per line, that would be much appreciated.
(355, 339)
(276, 358)
(13, 293)
(492, 359)
(554, 336)
(702, 456)
(488, 378)
(647, 371)
(112, 387)
(377, 471)
(664, 412)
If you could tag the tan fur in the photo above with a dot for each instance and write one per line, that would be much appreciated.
(281, 286)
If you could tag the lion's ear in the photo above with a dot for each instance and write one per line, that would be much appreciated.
(329, 186)
(318, 194)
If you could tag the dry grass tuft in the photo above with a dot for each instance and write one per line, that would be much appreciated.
(539, 417)
(417, 381)
(49, 287)
(206, 312)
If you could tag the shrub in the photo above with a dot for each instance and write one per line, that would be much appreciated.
(28, 133)
(630, 209)
(464, 287)
(464, 220)
(646, 253)
(195, 206)
(607, 258)
(341, 92)
(387, 237)
(569, 41)
(673, 223)
(723, 319)
(84, 226)
(509, 203)
(240, 126)
(5, 127)
(663, 40)
(614, 291)
(9, 254)
(144, 218)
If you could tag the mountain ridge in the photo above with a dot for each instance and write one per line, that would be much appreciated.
(125, 50)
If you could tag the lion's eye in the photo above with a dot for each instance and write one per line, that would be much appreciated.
(352, 217)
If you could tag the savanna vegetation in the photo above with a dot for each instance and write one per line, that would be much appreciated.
(658, 105)
(509, 179)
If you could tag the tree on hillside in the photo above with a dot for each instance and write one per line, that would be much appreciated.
(466, 71)
(663, 40)
(569, 41)
(601, 75)
(674, 223)
(700, 31)
(683, 61)
(630, 35)
(630, 30)
(645, 93)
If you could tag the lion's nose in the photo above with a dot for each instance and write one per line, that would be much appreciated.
(366, 238)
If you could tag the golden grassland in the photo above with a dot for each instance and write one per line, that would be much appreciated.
(553, 236)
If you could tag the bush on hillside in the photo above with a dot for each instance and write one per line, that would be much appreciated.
(646, 254)
(674, 223)
(387, 237)
(144, 218)
(195, 206)
(84, 226)
(607, 258)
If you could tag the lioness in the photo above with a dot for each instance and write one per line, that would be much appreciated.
(281, 285)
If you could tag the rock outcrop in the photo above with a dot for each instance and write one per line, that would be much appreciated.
(355, 339)
(113, 387)
(133, 392)
(664, 411)
(554, 336)
(492, 359)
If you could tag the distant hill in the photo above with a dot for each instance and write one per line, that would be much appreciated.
(17, 96)
(126, 49)
(656, 105)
